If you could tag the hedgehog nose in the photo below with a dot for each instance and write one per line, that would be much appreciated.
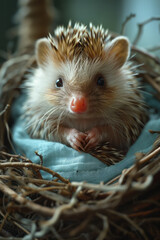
(78, 104)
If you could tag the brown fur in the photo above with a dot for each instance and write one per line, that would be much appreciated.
(72, 42)
(79, 57)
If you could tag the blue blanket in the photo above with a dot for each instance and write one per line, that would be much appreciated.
(77, 166)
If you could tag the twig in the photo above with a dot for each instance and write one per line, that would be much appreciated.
(152, 131)
(142, 161)
(32, 180)
(81, 226)
(99, 187)
(12, 62)
(132, 223)
(56, 234)
(143, 213)
(9, 135)
(25, 202)
(120, 228)
(128, 18)
(146, 54)
(113, 181)
(62, 208)
(115, 188)
(5, 109)
(34, 166)
(4, 220)
(152, 83)
(40, 156)
(154, 49)
(141, 26)
(21, 227)
(14, 156)
(151, 219)
(103, 233)
(47, 194)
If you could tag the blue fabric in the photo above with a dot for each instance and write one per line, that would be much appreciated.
(77, 166)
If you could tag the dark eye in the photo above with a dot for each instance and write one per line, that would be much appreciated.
(59, 83)
(100, 81)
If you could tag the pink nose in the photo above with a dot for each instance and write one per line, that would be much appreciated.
(79, 104)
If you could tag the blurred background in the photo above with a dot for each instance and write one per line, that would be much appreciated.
(111, 14)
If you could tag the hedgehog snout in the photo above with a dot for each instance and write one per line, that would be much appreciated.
(78, 104)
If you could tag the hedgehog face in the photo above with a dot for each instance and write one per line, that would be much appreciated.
(83, 64)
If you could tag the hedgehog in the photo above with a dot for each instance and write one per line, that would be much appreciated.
(83, 92)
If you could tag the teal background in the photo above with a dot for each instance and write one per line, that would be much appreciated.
(110, 13)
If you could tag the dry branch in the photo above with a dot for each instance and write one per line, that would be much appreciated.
(24, 202)
(34, 167)
(141, 26)
(128, 18)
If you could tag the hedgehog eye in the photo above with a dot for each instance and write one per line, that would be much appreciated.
(100, 81)
(59, 83)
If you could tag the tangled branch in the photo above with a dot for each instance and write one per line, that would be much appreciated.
(141, 27)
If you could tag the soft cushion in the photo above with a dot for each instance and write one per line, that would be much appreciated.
(77, 166)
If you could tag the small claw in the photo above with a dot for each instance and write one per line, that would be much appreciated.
(76, 144)
(76, 139)
(92, 139)
(82, 140)
(82, 148)
(78, 147)
(92, 143)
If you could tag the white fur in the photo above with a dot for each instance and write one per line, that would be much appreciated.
(72, 73)
(48, 107)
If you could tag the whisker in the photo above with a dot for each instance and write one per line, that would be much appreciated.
(37, 120)
(59, 120)
(53, 110)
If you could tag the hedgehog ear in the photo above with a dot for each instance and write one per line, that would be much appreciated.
(119, 51)
(43, 52)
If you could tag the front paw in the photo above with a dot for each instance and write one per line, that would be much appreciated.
(76, 139)
(93, 138)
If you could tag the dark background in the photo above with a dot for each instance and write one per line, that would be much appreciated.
(109, 13)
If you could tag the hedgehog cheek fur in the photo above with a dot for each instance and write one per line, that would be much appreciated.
(78, 57)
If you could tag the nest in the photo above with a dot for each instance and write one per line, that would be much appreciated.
(127, 207)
